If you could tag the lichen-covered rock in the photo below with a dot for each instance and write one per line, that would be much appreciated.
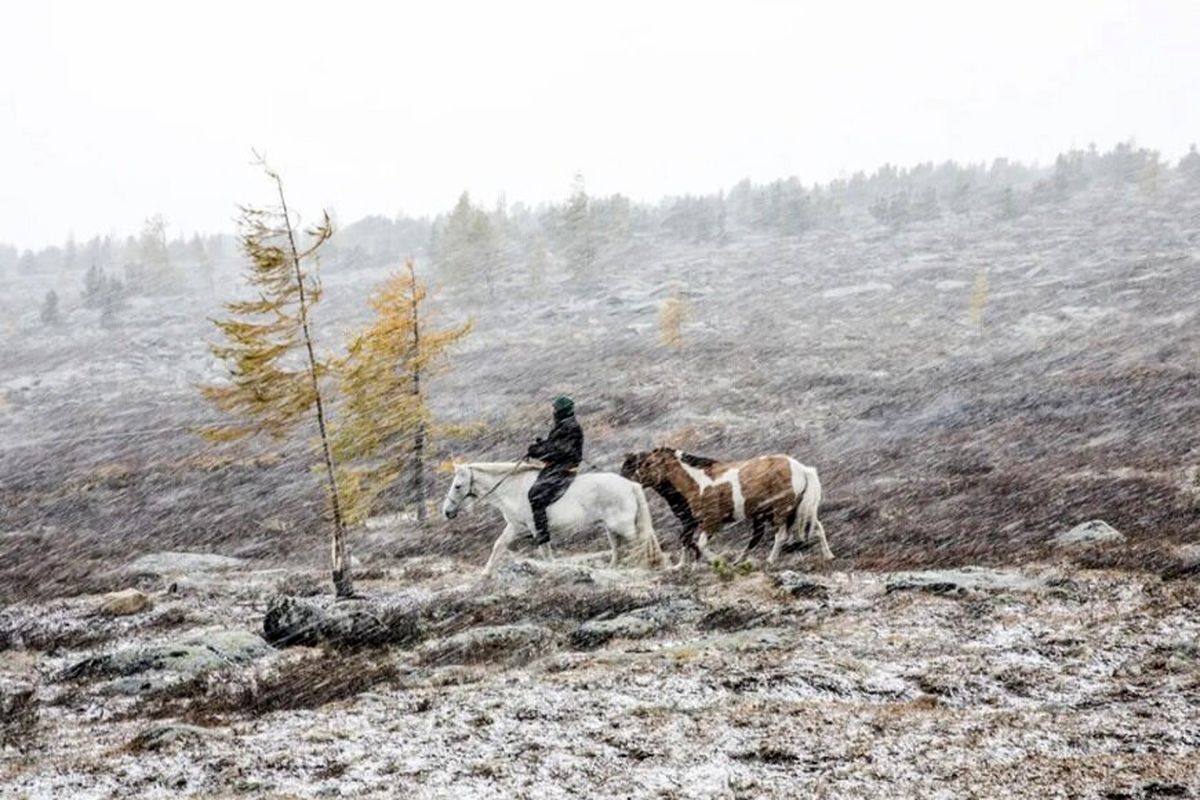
(356, 623)
(292, 621)
(125, 602)
(963, 581)
(636, 624)
(166, 563)
(803, 586)
(158, 737)
(205, 650)
(511, 643)
(526, 571)
(1093, 532)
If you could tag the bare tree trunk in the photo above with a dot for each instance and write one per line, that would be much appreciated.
(342, 582)
(418, 476)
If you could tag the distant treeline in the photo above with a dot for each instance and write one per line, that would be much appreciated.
(468, 243)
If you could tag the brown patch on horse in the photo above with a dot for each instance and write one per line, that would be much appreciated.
(716, 507)
(767, 488)
(765, 481)
(766, 484)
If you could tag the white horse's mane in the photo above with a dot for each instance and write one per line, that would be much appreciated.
(501, 467)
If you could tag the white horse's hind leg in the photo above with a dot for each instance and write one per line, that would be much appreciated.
(612, 543)
(502, 542)
(545, 552)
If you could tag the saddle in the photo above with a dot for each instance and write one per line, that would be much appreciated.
(553, 483)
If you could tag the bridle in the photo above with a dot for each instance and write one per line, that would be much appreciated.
(488, 493)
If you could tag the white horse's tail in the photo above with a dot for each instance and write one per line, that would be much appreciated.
(651, 550)
(804, 516)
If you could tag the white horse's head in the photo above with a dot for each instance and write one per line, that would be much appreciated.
(461, 488)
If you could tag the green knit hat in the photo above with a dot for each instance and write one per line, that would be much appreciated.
(563, 405)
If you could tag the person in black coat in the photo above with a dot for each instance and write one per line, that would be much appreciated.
(561, 451)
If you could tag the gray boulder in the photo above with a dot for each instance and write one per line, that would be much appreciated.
(963, 581)
(511, 643)
(205, 650)
(292, 621)
(1094, 532)
(355, 623)
(802, 586)
(124, 603)
(166, 563)
(524, 572)
(636, 624)
(158, 737)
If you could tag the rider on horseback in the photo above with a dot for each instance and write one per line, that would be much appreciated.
(561, 451)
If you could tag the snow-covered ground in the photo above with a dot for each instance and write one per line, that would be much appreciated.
(1071, 683)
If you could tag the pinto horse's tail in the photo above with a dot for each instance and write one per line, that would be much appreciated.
(650, 549)
(803, 518)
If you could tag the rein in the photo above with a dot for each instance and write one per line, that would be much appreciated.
(485, 495)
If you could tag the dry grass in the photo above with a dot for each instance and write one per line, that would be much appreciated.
(18, 716)
(548, 604)
(308, 682)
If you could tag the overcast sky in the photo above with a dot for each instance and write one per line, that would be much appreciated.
(111, 111)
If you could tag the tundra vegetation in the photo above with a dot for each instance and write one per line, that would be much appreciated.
(993, 367)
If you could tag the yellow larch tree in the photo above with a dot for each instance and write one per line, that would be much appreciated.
(384, 424)
(275, 377)
(671, 315)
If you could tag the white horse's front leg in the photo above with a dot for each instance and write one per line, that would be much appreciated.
(499, 547)
(545, 552)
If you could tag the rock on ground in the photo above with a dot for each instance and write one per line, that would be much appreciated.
(636, 624)
(158, 737)
(356, 623)
(1093, 532)
(205, 650)
(963, 581)
(171, 562)
(511, 643)
(802, 586)
(125, 602)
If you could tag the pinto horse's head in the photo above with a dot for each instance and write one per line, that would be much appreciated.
(648, 469)
(460, 489)
(630, 466)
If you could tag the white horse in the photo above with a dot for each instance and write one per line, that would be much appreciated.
(594, 497)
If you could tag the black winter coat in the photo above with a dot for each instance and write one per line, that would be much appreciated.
(563, 447)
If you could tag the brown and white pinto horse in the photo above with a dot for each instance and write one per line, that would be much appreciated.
(775, 491)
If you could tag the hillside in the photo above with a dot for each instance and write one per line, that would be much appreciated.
(969, 382)
(966, 385)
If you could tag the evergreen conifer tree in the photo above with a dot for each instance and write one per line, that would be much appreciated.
(49, 312)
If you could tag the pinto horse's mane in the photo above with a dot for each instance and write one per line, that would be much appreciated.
(700, 462)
